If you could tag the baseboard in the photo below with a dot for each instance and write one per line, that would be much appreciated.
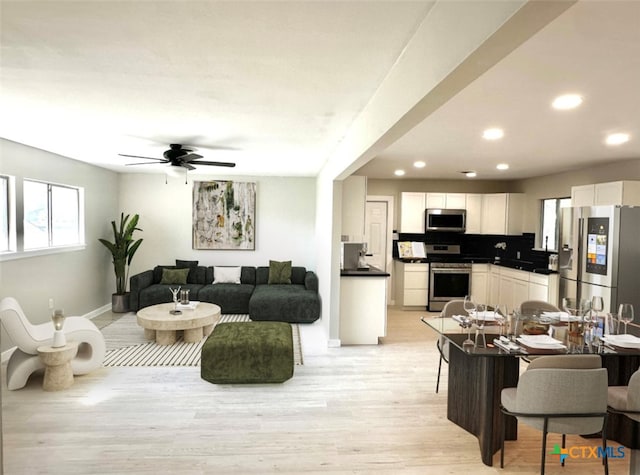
(93, 314)
(98, 311)
(334, 343)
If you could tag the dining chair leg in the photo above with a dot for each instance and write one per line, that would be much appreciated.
(605, 458)
(564, 445)
(502, 432)
(439, 368)
(544, 445)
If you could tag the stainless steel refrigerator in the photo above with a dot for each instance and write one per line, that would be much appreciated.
(600, 254)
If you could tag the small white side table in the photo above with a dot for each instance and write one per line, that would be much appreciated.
(58, 374)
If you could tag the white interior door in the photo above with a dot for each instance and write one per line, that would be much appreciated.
(375, 226)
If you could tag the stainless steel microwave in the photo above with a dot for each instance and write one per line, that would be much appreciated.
(450, 220)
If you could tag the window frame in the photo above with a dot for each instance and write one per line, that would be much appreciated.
(10, 198)
(553, 247)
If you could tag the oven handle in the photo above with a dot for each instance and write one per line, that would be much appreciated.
(450, 271)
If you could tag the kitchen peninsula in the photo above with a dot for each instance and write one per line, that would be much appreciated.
(363, 306)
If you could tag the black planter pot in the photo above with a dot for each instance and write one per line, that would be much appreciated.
(120, 303)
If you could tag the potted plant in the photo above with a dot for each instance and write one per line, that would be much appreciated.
(122, 250)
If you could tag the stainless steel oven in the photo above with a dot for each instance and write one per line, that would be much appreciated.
(447, 281)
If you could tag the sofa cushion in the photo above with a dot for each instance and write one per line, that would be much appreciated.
(279, 272)
(226, 275)
(231, 298)
(297, 275)
(285, 303)
(174, 276)
(194, 271)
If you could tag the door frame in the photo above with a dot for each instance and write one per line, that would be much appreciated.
(388, 252)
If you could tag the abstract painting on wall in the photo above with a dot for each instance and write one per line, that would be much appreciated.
(224, 215)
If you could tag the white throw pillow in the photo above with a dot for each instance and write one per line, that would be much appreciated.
(226, 275)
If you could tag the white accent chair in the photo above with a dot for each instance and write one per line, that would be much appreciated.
(28, 337)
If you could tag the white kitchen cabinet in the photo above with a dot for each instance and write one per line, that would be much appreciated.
(474, 213)
(604, 194)
(446, 200)
(354, 201)
(363, 310)
(512, 287)
(494, 285)
(479, 282)
(502, 213)
(412, 284)
(412, 206)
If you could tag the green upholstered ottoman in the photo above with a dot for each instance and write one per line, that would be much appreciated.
(248, 352)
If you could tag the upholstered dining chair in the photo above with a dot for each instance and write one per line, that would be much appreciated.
(27, 337)
(529, 307)
(626, 400)
(451, 308)
(563, 394)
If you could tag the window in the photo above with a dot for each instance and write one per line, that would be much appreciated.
(5, 214)
(52, 215)
(551, 221)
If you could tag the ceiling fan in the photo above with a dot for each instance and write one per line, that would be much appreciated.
(177, 156)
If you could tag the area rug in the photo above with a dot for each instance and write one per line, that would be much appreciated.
(126, 345)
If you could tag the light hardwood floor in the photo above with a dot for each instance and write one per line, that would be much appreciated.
(366, 409)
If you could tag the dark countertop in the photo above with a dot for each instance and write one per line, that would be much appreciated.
(370, 272)
(527, 266)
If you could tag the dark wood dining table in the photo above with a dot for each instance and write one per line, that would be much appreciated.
(478, 375)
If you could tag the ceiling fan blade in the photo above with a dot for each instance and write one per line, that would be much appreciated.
(187, 166)
(190, 156)
(147, 163)
(138, 156)
(215, 164)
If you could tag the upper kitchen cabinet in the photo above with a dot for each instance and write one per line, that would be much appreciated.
(502, 213)
(354, 202)
(602, 194)
(474, 213)
(446, 200)
(412, 206)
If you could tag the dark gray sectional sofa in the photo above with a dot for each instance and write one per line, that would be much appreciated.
(298, 302)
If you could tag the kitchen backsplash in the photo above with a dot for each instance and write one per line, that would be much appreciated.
(513, 248)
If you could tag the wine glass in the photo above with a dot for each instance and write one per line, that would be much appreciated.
(469, 307)
(625, 313)
(481, 316)
(499, 315)
(597, 304)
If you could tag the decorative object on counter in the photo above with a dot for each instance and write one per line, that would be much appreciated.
(174, 293)
(224, 215)
(59, 339)
(184, 297)
(122, 249)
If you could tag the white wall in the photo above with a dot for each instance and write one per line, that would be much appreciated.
(285, 221)
(79, 281)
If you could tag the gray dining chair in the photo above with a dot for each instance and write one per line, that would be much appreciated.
(451, 308)
(530, 307)
(563, 394)
(626, 400)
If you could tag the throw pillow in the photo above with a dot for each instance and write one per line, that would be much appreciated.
(279, 272)
(226, 275)
(174, 276)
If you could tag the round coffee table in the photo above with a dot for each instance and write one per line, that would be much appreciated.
(162, 326)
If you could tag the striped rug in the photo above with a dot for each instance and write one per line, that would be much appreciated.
(178, 354)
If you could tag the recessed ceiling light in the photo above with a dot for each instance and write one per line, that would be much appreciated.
(502, 166)
(419, 164)
(567, 101)
(617, 139)
(493, 134)
(470, 174)
(399, 173)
